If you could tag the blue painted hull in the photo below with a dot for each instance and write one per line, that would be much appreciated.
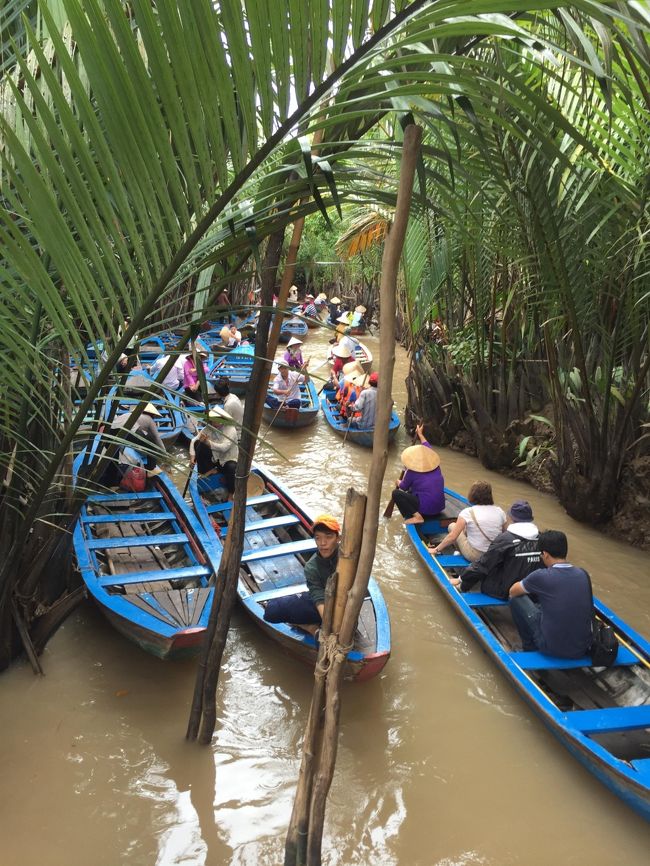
(593, 736)
(291, 418)
(237, 367)
(264, 554)
(164, 611)
(293, 328)
(349, 433)
(171, 420)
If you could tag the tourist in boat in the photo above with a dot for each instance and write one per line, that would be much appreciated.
(309, 307)
(293, 355)
(191, 384)
(286, 387)
(341, 356)
(306, 608)
(510, 557)
(476, 527)
(365, 406)
(421, 492)
(215, 449)
(230, 402)
(142, 446)
(334, 308)
(235, 335)
(174, 378)
(558, 621)
(228, 341)
(358, 320)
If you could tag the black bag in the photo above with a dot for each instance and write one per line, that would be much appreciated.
(604, 645)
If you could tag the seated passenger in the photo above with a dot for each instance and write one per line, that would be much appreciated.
(422, 489)
(365, 406)
(510, 557)
(215, 448)
(286, 387)
(476, 527)
(293, 355)
(558, 621)
(306, 608)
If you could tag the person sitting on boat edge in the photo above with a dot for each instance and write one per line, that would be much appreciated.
(558, 622)
(293, 355)
(365, 406)
(286, 387)
(306, 608)
(476, 527)
(510, 557)
(422, 489)
(215, 449)
(230, 402)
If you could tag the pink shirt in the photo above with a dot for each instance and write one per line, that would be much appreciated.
(190, 376)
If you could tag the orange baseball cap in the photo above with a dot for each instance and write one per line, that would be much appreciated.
(328, 521)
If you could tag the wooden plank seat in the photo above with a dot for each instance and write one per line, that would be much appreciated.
(128, 517)
(267, 523)
(609, 719)
(535, 661)
(187, 573)
(136, 541)
(123, 497)
(224, 507)
(479, 599)
(305, 545)
(279, 592)
(451, 561)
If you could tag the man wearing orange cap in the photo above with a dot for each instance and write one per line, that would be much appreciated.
(306, 608)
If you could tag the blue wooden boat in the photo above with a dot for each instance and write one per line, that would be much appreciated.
(278, 541)
(170, 421)
(361, 352)
(150, 348)
(147, 562)
(293, 327)
(237, 367)
(308, 320)
(340, 425)
(602, 715)
(290, 417)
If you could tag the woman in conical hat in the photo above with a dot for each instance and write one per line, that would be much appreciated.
(420, 493)
(293, 355)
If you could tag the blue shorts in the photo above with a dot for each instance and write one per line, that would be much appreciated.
(299, 609)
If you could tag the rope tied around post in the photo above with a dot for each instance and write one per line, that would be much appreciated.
(332, 652)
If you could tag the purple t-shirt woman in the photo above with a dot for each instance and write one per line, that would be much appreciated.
(429, 487)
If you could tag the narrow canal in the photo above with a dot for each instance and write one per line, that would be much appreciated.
(439, 761)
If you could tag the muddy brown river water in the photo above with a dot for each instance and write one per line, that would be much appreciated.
(440, 763)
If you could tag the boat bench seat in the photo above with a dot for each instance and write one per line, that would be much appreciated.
(533, 661)
(223, 507)
(188, 573)
(609, 719)
(123, 497)
(268, 523)
(278, 592)
(128, 517)
(642, 766)
(136, 541)
(435, 524)
(307, 545)
(479, 599)
(450, 561)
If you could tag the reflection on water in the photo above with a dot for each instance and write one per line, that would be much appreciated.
(440, 763)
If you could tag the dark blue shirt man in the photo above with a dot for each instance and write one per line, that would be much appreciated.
(558, 621)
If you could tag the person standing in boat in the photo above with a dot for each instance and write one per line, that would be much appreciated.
(191, 384)
(512, 555)
(558, 622)
(306, 608)
(476, 527)
(293, 355)
(231, 403)
(365, 406)
(215, 448)
(422, 489)
(286, 387)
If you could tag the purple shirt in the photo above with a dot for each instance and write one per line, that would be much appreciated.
(190, 376)
(429, 487)
(294, 359)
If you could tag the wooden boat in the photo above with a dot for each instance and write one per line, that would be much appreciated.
(278, 541)
(148, 564)
(295, 417)
(293, 327)
(343, 428)
(602, 715)
(237, 367)
(170, 421)
(308, 320)
(149, 348)
(358, 331)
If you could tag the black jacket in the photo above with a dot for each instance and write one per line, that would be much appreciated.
(509, 558)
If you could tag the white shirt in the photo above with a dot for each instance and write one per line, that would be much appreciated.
(489, 517)
(291, 383)
(173, 379)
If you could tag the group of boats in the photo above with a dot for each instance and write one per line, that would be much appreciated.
(150, 561)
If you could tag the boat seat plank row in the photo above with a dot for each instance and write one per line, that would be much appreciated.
(267, 523)
(279, 592)
(136, 541)
(225, 507)
(124, 497)
(306, 545)
(190, 572)
(533, 661)
(610, 719)
(127, 517)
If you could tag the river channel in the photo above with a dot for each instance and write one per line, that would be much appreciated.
(440, 763)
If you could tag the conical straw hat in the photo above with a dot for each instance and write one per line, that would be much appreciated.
(294, 341)
(419, 458)
(150, 409)
(254, 486)
(360, 309)
(341, 351)
(360, 380)
(352, 368)
(335, 300)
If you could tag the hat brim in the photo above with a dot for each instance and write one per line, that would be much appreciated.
(150, 409)
(419, 458)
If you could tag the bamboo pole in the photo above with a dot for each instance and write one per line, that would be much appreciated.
(390, 264)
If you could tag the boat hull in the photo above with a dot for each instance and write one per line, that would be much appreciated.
(351, 434)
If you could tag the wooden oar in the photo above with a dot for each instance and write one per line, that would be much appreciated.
(388, 511)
